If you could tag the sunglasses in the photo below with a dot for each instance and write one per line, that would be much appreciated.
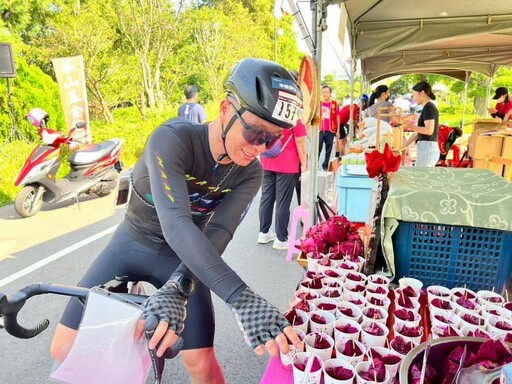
(256, 136)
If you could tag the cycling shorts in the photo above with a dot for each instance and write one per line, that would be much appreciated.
(140, 259)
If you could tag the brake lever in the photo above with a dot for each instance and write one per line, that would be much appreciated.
(157, 363)
(171, 352)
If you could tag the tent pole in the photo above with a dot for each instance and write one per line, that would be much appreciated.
(318, 8)
(352, 85)
(465, 100)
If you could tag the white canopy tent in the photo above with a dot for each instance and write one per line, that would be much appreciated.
(437, 36)
(392, 37)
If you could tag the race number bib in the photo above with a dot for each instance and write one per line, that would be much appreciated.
(288, 107)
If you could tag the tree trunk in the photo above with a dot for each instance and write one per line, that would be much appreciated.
(147, 83)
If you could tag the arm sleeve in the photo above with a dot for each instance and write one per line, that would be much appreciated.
(165, 156)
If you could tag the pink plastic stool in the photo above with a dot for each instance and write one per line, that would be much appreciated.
(300, 212)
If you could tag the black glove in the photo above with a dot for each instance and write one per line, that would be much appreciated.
(258, 320)
(167, 304)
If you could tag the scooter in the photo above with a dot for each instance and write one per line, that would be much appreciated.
(94, 168)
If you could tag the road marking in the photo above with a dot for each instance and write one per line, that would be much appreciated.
(55, 256)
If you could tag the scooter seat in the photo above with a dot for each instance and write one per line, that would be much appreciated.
(91, 153)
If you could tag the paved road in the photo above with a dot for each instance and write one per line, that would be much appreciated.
(54, 232)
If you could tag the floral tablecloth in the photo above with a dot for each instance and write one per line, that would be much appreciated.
(452, 196)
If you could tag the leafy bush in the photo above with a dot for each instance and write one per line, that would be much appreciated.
(30, 89)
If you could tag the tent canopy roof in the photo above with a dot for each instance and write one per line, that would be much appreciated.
(436, 36)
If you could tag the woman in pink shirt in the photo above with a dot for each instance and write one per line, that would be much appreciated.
(279, 180)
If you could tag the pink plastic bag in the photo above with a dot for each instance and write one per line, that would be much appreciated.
(105, 350)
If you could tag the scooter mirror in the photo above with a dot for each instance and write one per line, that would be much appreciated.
(80, 125)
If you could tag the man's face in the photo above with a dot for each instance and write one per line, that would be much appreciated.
(326, 94)
(249, 136)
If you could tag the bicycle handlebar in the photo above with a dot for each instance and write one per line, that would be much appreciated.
(11, 305)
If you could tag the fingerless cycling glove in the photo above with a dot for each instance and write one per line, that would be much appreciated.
(258, 320)
(168, 305)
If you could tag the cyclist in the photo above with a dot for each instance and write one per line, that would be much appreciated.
(191, 188)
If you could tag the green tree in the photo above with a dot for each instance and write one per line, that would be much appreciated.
(150, 28)
(90, 31)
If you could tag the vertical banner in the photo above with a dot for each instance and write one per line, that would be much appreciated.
(73, 95)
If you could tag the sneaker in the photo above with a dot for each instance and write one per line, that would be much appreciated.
(278, 244)
(264, 238)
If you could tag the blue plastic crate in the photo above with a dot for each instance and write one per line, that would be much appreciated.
(453, 256)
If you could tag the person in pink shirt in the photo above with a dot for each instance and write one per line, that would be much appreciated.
(279, 181)
(330, 121)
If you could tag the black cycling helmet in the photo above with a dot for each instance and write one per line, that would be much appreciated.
(260, 85)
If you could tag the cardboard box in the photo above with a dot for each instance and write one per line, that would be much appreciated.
(485, 125)
(479, 163)
(482, 146)
(506, 151)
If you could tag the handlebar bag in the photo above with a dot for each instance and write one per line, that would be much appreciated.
(105, 350)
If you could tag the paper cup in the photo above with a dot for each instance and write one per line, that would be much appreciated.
(447, 305)
(310, 296)
(442, 317)
(300, 362)
(415, 305)
(325, 264)
(380, 302)
(466, 307)
(374, 340)
(373, 295)
(438, 291)
(466, 292)
(325, 304)
(380, 315)
(310, 275)
(358, 277)
(342, 323)
(377, 288)
(364, 366)
(494, 328)
(489, 297)
(324, 353)
(379, 279)
(335, 272)
(355, 298)
(399, 328)
(348, 266)
(333, 293)
(472, 321)
(349, 311)
(410, 282)
(332, 282)
(314, 285)
(299, 321)
(394, 346)
(312, 259)
(322, 328)
(489, 310)
(400, 292)
(410, 323)
(437, 331)
(287, 358)
(475, 332)
(392, 368)
(335, 363)
(341, 351)
(354, 286)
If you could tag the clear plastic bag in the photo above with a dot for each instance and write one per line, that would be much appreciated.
(105, 350)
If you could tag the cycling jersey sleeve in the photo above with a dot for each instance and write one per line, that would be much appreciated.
(166, 156)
